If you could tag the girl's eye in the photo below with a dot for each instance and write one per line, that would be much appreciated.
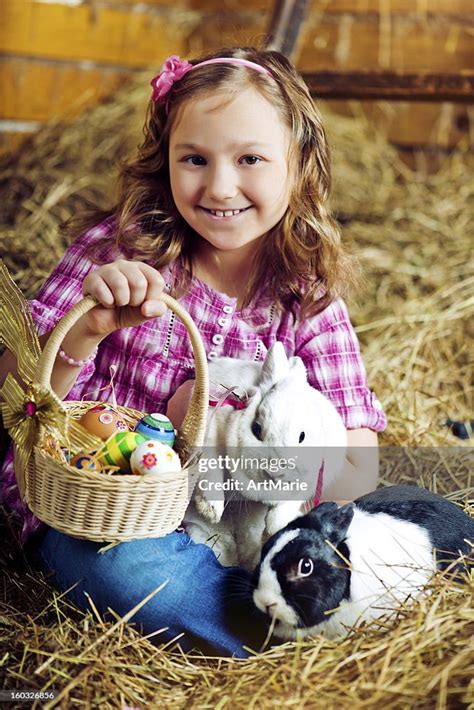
(251, 159)
(194, 160)
(305, 567)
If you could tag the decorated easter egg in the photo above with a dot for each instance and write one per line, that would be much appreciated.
(85, 462)
(117, 450)
(156, 426)
(103, 420)
(154, 457)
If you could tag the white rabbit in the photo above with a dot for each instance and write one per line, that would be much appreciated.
(290, 428)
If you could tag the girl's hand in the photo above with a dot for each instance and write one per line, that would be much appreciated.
(178, 404)
(129, 294)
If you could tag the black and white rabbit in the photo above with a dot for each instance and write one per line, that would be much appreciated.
(361, 560)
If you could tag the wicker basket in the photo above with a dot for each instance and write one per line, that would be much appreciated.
(113, 508)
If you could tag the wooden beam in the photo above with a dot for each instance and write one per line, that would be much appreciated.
(285, 24)
(392, 86)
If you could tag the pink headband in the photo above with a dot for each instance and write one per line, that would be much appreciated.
(175, 68)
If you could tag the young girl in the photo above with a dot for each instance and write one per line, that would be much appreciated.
(226, 208)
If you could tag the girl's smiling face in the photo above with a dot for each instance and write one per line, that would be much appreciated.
(229, 167)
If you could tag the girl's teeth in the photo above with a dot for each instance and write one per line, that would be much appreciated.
(227, 213)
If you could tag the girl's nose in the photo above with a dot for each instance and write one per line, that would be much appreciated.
(221, 184)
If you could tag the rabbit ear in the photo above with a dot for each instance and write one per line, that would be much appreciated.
(335, 524)
(297, 367)
(275, 366)
(330, 520)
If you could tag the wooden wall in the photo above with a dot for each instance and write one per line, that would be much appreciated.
(403, 35)
(57, 56)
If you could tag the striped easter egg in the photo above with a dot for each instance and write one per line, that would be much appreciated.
(118, 449)
(156, 426)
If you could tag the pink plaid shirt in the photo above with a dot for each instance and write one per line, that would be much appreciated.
(154, 359)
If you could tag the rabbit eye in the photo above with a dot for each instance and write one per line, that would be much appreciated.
(256, 430)
(305, 567)
(302, 435)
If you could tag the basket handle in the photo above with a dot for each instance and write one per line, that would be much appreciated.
(193, 427)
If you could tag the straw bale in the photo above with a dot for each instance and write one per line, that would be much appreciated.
(414, 320)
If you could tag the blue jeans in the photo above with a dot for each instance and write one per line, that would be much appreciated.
(200, 599)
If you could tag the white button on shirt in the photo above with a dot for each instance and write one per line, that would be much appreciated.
(212, 354)
(222, 321)
(227, 309)
(217, 339)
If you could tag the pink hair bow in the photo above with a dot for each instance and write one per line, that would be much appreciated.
(172, 70)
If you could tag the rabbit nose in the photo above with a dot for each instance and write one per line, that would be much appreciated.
(256, 430)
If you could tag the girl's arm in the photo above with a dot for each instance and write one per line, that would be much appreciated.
(129, 293)
(79, 343)
(329, 348)
(361, 471)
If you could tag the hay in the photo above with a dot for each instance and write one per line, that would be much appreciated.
(414, 236)
(422, 660)
(415, 325)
